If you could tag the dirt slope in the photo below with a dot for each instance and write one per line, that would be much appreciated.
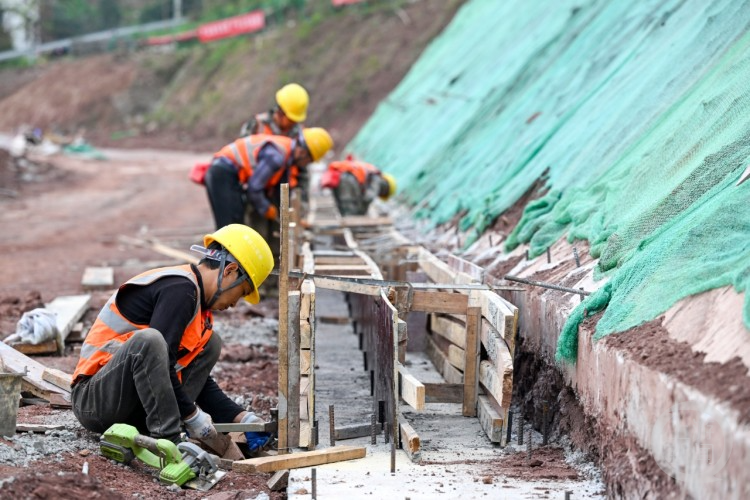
(196, 98)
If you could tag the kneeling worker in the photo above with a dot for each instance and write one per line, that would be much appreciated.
(355, 185)
(147, 360)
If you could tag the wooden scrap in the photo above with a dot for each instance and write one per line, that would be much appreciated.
(410, 441)
(279, 480)
(490, 419)
(69, 311)
(301, 459)
(42, 428)
(58, 378)
(98, 278)
(47, 347)
(57, 400)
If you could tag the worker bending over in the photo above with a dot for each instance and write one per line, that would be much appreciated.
(249, 171)
(147, 359)
(355, 185)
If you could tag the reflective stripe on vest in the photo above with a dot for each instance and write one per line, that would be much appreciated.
(111, 330)
(358, 169)
(244, 151)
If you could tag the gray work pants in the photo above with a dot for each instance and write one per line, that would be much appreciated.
(134, 387)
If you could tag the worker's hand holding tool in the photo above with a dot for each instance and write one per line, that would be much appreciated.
(200, 426)
(255, 440)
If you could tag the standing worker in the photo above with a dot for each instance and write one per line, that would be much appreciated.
(147, 359)
(249, 171)
(286, 116)
(355, 185)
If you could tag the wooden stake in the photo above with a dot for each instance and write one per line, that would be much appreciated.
(283, 340)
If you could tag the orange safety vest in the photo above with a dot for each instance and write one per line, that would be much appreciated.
(111, 329)
(244, 151)
(359, 169)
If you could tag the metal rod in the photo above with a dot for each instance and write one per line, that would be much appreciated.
(575, 256)
(520, 429)
(528, 445)
(314, 483)
(372, 382)
(373, 429)
(545, 427)
(364, 358)
(332, 424)
(549, 256)
(580, 291)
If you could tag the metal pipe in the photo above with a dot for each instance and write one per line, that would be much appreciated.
(547, 285)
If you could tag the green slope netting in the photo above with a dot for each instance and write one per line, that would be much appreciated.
(641, 112)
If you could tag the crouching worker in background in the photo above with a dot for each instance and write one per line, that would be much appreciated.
(147, 359)
(355, 185)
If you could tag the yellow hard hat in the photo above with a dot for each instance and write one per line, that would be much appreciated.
(251, 251)
(391, 186)
(318, 142)
(293, 100)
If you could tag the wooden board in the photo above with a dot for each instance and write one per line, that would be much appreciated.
(456, 356)
(411, 389)
(502, 316)
(58, 378)
(471, 358)
(279, 480)
(448, 328)
(42, 428)
(69, 310)
(97, 278)
(302, 459)
(33, 382)
(445, 302)
(499, 385)
(490, 420)
(443, 393)
(296, 365)
(283, 339)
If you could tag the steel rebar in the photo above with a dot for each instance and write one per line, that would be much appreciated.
(332, 425)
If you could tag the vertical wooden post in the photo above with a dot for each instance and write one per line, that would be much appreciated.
(283, 339)
(471, 357)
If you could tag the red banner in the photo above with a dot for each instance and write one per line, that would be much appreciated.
(232, 26)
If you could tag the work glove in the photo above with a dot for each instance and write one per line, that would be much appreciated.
(272, 213)
(200, 426)
(255, 440)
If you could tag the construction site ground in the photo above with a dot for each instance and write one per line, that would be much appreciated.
(70, 212)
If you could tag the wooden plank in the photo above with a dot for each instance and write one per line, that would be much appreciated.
(497, 381)
(346, 260)
(33, 382)
(456, 356)
(69, 309)
(490, 420)
(449, 328)
(443, 393)
(410, 441)
(463, 266)
(297, 365)
(471, 358)
(364, 221)
(279, 480)
(501, 314)
(42, 428)
(355, 431)
(445, 302)
(161, 249)
(497, 349)
(301, 459)
(442, 365)
(283, 340)
(97, 278)
(47, 347)
(341, 268)
(411, 389)
(346, 286)
(58, 378)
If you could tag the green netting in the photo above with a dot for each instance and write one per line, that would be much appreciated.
(638, 109)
